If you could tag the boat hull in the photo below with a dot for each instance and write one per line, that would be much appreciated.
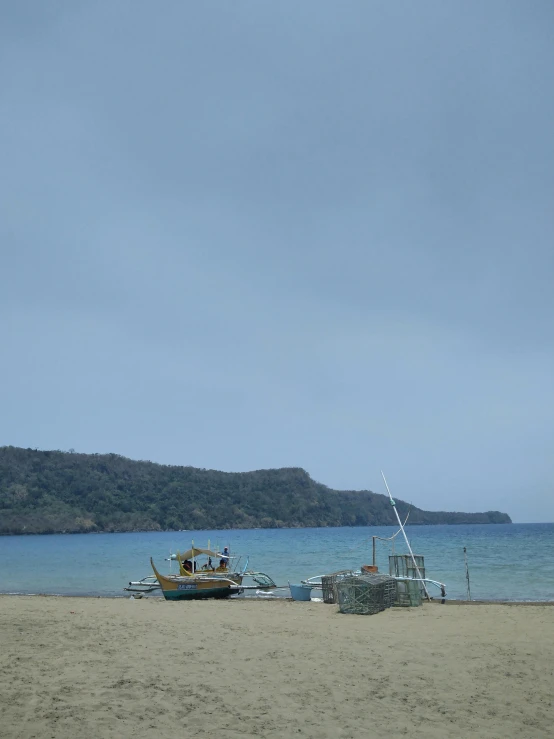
(200, 594)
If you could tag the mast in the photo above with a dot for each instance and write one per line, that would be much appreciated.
(405, 537)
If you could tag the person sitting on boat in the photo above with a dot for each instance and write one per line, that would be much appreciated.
(223, 562)
(187, 565)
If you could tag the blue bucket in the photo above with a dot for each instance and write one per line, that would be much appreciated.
(300, 592)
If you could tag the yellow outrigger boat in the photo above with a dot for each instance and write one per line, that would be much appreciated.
(196, 581)
(192, 586)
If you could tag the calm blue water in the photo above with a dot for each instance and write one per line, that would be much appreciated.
(507, 562)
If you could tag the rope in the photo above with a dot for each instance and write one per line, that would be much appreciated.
(381, 538)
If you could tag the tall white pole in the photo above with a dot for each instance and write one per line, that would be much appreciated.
(405, 537)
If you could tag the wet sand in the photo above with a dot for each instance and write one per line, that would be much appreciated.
(83, 667)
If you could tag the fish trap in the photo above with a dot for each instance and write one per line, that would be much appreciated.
(408, 593)
(366, 594)
(402, 565)
(329, 585)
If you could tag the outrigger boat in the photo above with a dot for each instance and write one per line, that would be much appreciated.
(192, 587)
(206, 580)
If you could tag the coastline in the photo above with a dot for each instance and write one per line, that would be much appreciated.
(103, 667)
(389, 524)
(279, 598)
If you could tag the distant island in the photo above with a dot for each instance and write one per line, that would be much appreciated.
(47, 492)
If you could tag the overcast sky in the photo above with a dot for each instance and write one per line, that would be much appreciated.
(240, 235)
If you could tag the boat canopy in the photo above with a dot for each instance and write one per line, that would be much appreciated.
(195, 552)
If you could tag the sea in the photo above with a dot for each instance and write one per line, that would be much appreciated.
(513, 562)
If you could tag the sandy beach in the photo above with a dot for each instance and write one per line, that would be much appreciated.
(120, 668)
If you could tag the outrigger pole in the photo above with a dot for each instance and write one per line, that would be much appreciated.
(405, 537)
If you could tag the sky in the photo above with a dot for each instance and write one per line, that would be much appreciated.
(249, 235)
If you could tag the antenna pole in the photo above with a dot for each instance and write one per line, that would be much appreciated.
(405, 537)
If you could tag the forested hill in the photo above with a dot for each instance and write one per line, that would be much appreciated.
(48, 492)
